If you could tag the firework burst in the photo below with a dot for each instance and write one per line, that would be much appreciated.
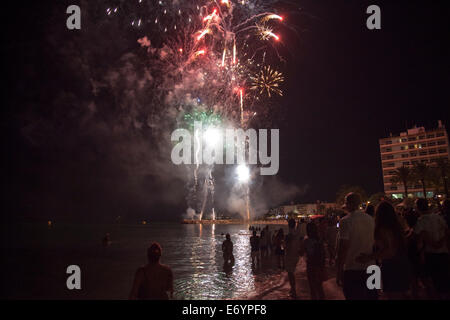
(267, 81)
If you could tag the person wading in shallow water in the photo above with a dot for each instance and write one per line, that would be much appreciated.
(153, 281)
(227, 250)
(254, 243)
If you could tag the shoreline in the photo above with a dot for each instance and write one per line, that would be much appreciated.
(251, 222)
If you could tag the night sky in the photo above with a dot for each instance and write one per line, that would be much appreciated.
(346, 87)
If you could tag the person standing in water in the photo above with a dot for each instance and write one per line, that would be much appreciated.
(106, 241)
(153, 281)
(255, 244)
(227, 250)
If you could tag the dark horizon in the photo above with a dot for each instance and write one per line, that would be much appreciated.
(346, 87)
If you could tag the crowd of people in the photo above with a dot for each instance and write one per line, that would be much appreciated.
(303, 239)
(409, 244)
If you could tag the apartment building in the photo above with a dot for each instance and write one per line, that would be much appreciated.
(414, 145)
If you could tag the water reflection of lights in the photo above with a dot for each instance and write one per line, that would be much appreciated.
(200, 228)
(242, 273)
(204, 277)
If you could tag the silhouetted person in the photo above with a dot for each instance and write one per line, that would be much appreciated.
(106, 241)
(268, 236)
(446, 211)
(255, 245)
(432, 231)
(355, 237)
(263, 241)
(153, 281)
(391, 252)
(302, 227)
(330, 239)
(227, 250)
(279, 247)
(315, 261)
(293, 242)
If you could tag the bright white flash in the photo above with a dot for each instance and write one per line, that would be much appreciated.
(212, 136)
(243, 173)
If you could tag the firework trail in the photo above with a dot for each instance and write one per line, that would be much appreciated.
(205, 197)
(208, 188)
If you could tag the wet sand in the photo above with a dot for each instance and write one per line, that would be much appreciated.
(279, 290)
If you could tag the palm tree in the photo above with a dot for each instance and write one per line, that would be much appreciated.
(403, 175)
(443, 167)
(421, 173)
(435, 181)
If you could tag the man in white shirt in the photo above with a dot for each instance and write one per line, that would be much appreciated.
(355, 237)
(433, 232)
